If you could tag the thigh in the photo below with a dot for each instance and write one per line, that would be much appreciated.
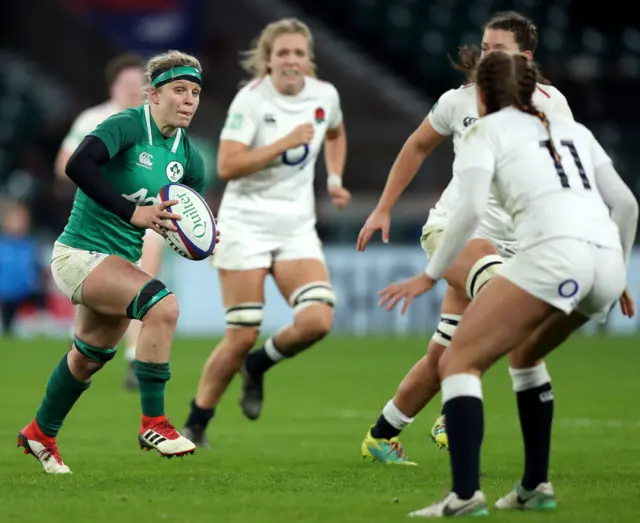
(70, 267)
(111, 286)
(549, 335)
(496, 321)
(292, 275)
(239, 287)
(99, 330)
(454, 301)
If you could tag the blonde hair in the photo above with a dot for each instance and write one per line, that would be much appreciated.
(256, 59)
(170, 59)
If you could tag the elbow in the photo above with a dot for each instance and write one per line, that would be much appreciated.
(225, 171)
(71, 168)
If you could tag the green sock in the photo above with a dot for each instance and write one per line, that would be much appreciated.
(63, 390)
(152, 378)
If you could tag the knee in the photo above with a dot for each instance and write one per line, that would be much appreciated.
(165, 312)
(314, 322)
(80, 363)
(481, 273)
(156, 304)
(242, 340)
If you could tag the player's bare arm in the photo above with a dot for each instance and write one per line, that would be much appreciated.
(335, 157)
(415, 150)
(237, 160)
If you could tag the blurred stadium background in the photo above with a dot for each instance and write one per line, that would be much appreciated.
(388, 59)
(300, 462)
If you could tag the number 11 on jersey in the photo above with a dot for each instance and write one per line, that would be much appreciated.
(564, 179)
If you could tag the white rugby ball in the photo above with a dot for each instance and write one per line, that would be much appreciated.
(195, 238)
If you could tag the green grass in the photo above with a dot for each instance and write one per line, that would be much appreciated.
(300, 462)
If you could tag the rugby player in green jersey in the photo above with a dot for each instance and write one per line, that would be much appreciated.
(119, 169)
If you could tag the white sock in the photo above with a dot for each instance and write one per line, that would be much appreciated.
(531, 378)
(271, 351)
(130, 353)
(458, 385)
(395, 417)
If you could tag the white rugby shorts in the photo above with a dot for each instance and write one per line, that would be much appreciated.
(571, 275)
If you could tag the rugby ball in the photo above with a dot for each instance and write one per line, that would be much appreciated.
(195, 238)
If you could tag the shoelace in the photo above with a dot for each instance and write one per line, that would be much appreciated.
(165, 428)
(48, 452)
(397, 447)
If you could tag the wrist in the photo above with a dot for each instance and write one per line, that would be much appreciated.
(334, 180)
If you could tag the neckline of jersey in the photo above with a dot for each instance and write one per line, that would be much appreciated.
(292, 97)
(155, 135)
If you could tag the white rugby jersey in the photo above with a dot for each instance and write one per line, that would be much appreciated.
(86, 122)
(453, 114)
(280, 197)
(506, 154)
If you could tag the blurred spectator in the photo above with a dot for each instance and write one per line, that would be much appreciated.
(20, 269)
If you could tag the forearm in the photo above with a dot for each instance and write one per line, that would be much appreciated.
(402, 173)
(245, 163)
(335, 154)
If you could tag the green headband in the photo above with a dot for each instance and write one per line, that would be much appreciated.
(182, 72)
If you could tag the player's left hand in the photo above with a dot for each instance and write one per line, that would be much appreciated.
(627, 304)
(340, 197)
(408, 289)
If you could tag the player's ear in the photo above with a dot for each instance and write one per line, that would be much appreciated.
(154, 95)
(528, 54)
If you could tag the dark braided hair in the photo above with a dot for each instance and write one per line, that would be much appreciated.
(507, 79)
(525, 34)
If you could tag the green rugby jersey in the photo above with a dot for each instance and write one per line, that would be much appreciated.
(142, 161)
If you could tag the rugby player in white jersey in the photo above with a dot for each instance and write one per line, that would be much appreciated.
(452, 115)
(126, 81)
(575, 221)
(276, 127)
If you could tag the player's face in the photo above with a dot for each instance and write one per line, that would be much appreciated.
(178, 101)
(128, 89)
(500, 40)
(289, 62)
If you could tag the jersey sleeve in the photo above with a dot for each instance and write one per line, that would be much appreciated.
(599, 157)
(560, 106)
(80, 128)
(441, 115)
(335, 111)
(194, 172)
(242, 119)
(477, 150)
(119, 132)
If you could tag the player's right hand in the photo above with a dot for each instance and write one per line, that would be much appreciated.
(301, 135)
(155, 217)
(378, 221)
(627, 305)
(407, 290)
